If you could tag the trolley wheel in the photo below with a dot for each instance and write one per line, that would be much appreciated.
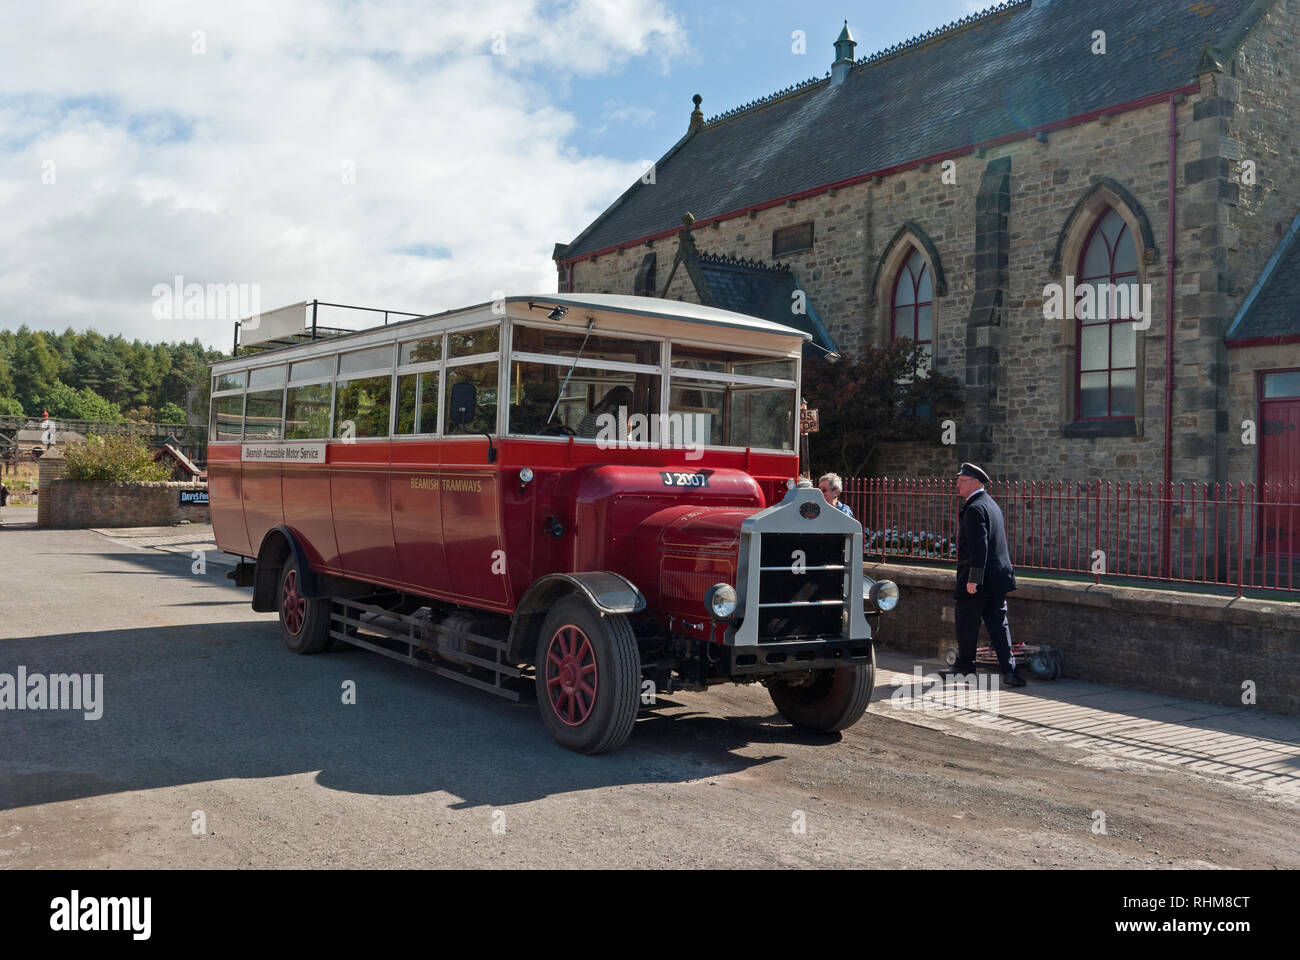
(950, 656)
(1043, 664)
(588, 676)
(834, 700)
(304, 622)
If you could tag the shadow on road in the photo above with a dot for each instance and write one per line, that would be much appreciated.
(211, 701)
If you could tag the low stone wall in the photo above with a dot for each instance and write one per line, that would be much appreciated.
(68, 504)
(1186, 644)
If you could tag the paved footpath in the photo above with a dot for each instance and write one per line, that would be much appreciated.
(206, 714)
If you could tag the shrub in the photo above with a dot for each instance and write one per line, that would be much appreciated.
(170, 413)
(115, 458)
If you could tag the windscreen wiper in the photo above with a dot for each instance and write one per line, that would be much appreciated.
(590, 324)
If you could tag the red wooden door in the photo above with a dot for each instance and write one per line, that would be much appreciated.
(1279, 471)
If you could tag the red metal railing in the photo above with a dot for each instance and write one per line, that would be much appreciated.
(1241, 536)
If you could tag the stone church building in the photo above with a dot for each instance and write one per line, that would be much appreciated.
(936, 189)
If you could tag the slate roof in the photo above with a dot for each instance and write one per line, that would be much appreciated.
(1271, 311)
(1013, 68)
(37, 436)
(167, 450)
(759, 290)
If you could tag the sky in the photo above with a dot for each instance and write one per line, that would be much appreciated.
(414, 156)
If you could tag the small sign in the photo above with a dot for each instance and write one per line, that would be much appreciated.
(194, 498)
(810, 510)
(283, 453)
(808, 422)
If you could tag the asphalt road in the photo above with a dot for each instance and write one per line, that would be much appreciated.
(206, 716)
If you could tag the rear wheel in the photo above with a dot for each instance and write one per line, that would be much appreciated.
(304, 622)
(588, 673)
(833, 700)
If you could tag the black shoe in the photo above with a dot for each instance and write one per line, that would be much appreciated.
(956, 672)
(1013, 679)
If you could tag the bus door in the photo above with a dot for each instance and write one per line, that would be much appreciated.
(417, 515)
(363, 522)
(471, 524)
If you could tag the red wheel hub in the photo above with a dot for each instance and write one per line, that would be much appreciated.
(293, 608)
(571, 675)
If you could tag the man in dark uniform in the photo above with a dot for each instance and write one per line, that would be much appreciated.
(984, 576)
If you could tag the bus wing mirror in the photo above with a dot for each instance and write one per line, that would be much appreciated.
(464, 397)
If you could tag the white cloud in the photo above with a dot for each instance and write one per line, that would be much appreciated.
(226, 167)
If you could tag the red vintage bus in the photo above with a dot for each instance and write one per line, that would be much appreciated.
(595, 490)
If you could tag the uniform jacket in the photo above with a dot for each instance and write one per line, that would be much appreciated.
(982, 555)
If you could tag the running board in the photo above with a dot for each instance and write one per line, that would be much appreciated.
(405, 637)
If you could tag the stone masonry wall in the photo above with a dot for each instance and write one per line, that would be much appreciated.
(1261, 104)
(853, 230)
(74, 504)
(1224, 235)
(1185, 644)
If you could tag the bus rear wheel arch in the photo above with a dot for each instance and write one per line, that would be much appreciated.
(304, 621)
(588, 677)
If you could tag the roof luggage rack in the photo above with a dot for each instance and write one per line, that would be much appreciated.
(301, 322)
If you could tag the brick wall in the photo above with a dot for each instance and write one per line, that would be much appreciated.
(72, 504)
(50, 468)
(1183, 644)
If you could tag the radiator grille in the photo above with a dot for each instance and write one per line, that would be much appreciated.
(801, 586)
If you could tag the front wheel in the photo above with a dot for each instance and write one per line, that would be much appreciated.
(833, 700)
(588, 673)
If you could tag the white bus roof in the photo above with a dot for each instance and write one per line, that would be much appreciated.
(664, 309)
(536, 307)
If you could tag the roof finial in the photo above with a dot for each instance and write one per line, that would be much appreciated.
(843, 56)
(697, 118)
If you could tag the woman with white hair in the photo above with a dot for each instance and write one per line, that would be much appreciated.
(832, 486)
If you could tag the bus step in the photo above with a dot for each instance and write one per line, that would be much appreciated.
(419, 640)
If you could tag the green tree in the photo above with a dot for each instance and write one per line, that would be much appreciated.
(882, 395)
(6, 380)
(35, 367)
(128, 374)
(10, 407)
(69, 403)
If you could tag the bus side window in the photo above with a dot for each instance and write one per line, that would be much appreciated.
(263, 415)
(417, 403)
(362, 402)
(307, 412)
(227, 418)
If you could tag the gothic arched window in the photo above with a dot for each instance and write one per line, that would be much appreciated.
(912, 315)
(1106, 371)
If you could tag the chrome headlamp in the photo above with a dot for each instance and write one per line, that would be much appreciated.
(721, 601)
(881, 594)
